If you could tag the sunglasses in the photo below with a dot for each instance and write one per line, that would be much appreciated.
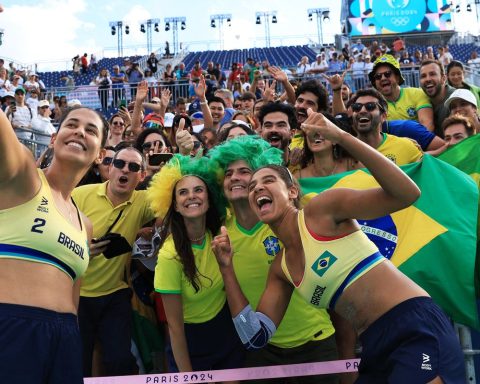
(371, 106)
(387, 74)
(44, 107)
(132, 167)
(150, 145)
(107, 160)
(118, 123)
(129, 133)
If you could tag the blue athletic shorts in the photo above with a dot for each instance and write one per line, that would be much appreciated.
(39, 346)
(213, 344)
(412, 343)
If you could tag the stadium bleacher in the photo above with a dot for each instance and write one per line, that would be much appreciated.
(279, 56)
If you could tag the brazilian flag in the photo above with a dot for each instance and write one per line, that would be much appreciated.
(465, 156)
(433, 241)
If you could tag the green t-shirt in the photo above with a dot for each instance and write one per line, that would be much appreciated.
(201, 306)
(254, 251)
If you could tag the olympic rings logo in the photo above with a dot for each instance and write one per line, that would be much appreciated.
(400, 21)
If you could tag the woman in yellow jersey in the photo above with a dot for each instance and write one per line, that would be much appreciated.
(202, 336)
(44, 251)
(405, 337)
(321, 157)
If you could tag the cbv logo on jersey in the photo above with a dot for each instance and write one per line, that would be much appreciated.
(43, 207)
(425, 362)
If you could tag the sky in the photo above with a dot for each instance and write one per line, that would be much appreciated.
(51, 32)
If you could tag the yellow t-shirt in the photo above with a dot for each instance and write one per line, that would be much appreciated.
(254, 251)
(201, 306)
(399, 149)
(105, 276)
(410, 101)
(297, 141)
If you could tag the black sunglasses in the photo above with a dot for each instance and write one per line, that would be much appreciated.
(387, 74)
(132, 167)
(370, 106)
(151, 144)
(107, 160)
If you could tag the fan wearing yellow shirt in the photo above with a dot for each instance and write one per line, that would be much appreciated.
(305, 334)
(403, 103)
(369, 110)
(105, 311)
(202, 335)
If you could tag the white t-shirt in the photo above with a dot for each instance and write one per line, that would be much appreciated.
(358, 69)
(22, 118)
(43, 125)
(316, 66)
(33, 104)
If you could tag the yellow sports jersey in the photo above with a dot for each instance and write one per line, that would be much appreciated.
(254, 251)
(105, 276)
(410, 101)
(399, 149)
(297, 141)
(331, 265)
(36, 231)
(201, 306)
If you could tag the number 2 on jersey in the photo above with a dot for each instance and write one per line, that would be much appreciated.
(39, 223)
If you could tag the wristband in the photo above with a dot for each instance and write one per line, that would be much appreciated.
(203, 102)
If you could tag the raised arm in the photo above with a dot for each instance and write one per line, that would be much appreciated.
(18, 173)
(336, 82)
(253, 328)
(142, 92)
(397, 190)
(200, 89)
(281, 77)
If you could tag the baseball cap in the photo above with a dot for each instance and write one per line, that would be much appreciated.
(155, 100)
(8, 94)
(20, 89)
(196, 115)
(462, 94)
(74, 103)
(386, 60)
(43, 103)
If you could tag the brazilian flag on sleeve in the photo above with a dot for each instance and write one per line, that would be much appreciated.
(433, 241)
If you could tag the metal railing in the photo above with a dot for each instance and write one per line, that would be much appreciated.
(35, 141)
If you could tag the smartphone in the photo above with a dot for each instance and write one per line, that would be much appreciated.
(158, 158)
(123, 103)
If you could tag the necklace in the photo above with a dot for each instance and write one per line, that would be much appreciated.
(198, 238)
